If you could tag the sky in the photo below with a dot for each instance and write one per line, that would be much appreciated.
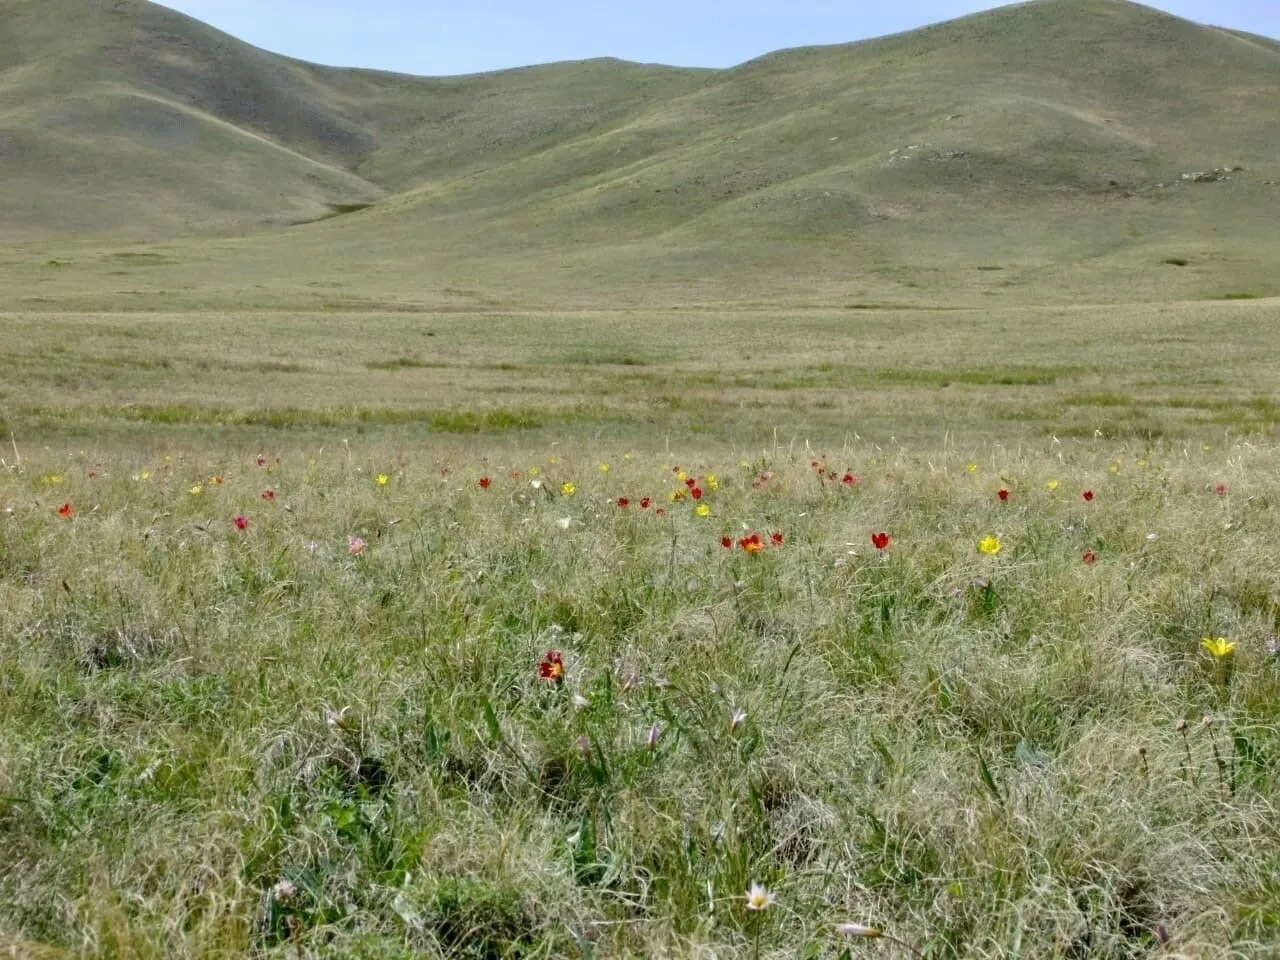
(439, 37)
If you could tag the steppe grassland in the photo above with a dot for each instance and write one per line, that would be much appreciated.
(706, 378)
(327, 732)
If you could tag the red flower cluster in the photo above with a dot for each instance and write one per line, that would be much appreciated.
(623, 502)
(1088, 496)
(552, 667)
(645, 503)
(849, 480)
(241, 522)
(1003, 494)
(753, 544)
(484, 483)
(66, 511)
(881, 540)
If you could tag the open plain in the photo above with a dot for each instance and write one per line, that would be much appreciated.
(519, 515)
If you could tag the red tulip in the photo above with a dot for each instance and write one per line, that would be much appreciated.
(552, 667)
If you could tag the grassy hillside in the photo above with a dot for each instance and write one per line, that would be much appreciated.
(1035, 151)
(128, 120)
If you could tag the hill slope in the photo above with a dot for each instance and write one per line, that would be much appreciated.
(1047, 139)
(127, 119)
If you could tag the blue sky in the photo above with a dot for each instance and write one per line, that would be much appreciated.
(437, 37)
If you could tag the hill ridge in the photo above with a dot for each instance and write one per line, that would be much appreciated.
(1053, 134)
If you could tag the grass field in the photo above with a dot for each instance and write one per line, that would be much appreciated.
(721, 379)
(326, 734)
(824, 508)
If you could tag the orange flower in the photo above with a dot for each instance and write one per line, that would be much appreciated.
(752, 545)
(66, 511)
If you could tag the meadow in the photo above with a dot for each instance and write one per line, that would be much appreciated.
(537, 636)
(823, 508)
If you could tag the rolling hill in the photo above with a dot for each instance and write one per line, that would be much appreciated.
(1038, 148)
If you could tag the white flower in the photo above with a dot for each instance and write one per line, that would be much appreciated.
(738, 718)
(564, 522)
(758, 898)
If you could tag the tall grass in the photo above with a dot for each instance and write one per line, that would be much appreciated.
(275, 740)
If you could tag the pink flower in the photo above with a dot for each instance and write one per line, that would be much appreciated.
(241, 522)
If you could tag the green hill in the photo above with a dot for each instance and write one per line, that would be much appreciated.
(1038, 149)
